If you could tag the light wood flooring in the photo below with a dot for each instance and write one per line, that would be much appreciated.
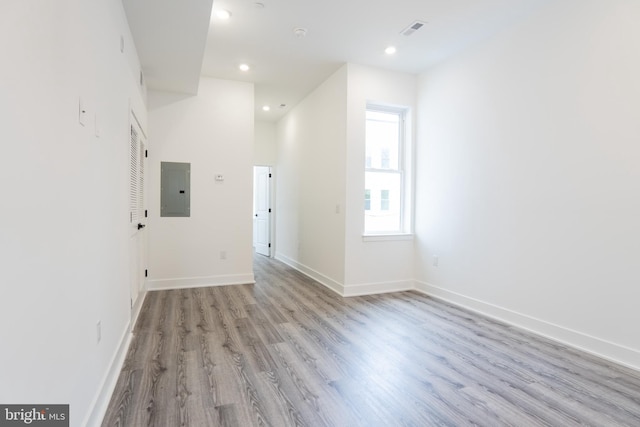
(289, 352)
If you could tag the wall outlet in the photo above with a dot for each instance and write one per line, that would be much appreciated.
(436, 260)
(99, 330)
(223, 254)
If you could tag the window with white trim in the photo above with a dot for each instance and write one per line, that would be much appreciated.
(385, 181)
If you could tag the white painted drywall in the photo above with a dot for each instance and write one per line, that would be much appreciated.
(265, 147)
(310, 182)
(529, 176)
(265, 153)
(214, 132)
(373, 266)
(320, 184)
(63, 223)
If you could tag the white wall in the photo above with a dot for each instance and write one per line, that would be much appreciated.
(265, 146)
(214, 132)
(373, 266)
(320, 184)
(63, 223)
(265, 153)
(310, 180)
(529, 176)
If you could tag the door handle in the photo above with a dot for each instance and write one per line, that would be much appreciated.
(141, 226)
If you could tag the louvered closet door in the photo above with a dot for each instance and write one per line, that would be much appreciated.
(137, 220)
(136, 178)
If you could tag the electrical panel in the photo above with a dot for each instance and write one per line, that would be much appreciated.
(175, 189)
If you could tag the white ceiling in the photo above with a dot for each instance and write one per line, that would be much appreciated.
(172, 40)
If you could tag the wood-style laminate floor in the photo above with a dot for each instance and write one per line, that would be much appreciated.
(289, 352)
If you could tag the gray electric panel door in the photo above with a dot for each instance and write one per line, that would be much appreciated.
(175, 189)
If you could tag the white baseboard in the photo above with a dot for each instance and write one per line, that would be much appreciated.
(604, 349)
(318, 277)
(100, 403)
(200, 282)
(135, 310)
(377, 288)
(348, 290)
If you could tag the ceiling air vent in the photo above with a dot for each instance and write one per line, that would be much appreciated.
(415, 26)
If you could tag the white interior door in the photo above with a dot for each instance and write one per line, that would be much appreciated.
(262, 210)
(137, 216)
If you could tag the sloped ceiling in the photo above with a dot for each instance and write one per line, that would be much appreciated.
(170, 37)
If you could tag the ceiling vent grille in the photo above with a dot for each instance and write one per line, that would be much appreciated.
(412, 28)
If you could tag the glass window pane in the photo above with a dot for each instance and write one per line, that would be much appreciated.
(384, 202)
(385, 159)
(383, 140)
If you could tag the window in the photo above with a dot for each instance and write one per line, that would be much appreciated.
(384, 200)
(385, 160)
(385, 194)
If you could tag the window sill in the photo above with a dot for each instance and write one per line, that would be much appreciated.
(386, 237)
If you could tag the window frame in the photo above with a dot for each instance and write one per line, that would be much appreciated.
(404, 161)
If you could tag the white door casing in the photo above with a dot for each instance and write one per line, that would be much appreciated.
(262, 210)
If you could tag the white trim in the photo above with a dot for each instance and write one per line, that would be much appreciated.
(405, 162)
(200, 282)
(98, 407)
(270, 206)
(135, 117)
(387, 237)
(137, 307)
(310, 272)
(604, 349)
(347, 290)
(377, 288)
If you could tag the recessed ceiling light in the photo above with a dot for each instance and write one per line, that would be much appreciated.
(223, 14)
(244, 67)
(390, 50)
(266, 108)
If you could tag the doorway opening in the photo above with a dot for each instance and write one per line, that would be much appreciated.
(262, 226)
